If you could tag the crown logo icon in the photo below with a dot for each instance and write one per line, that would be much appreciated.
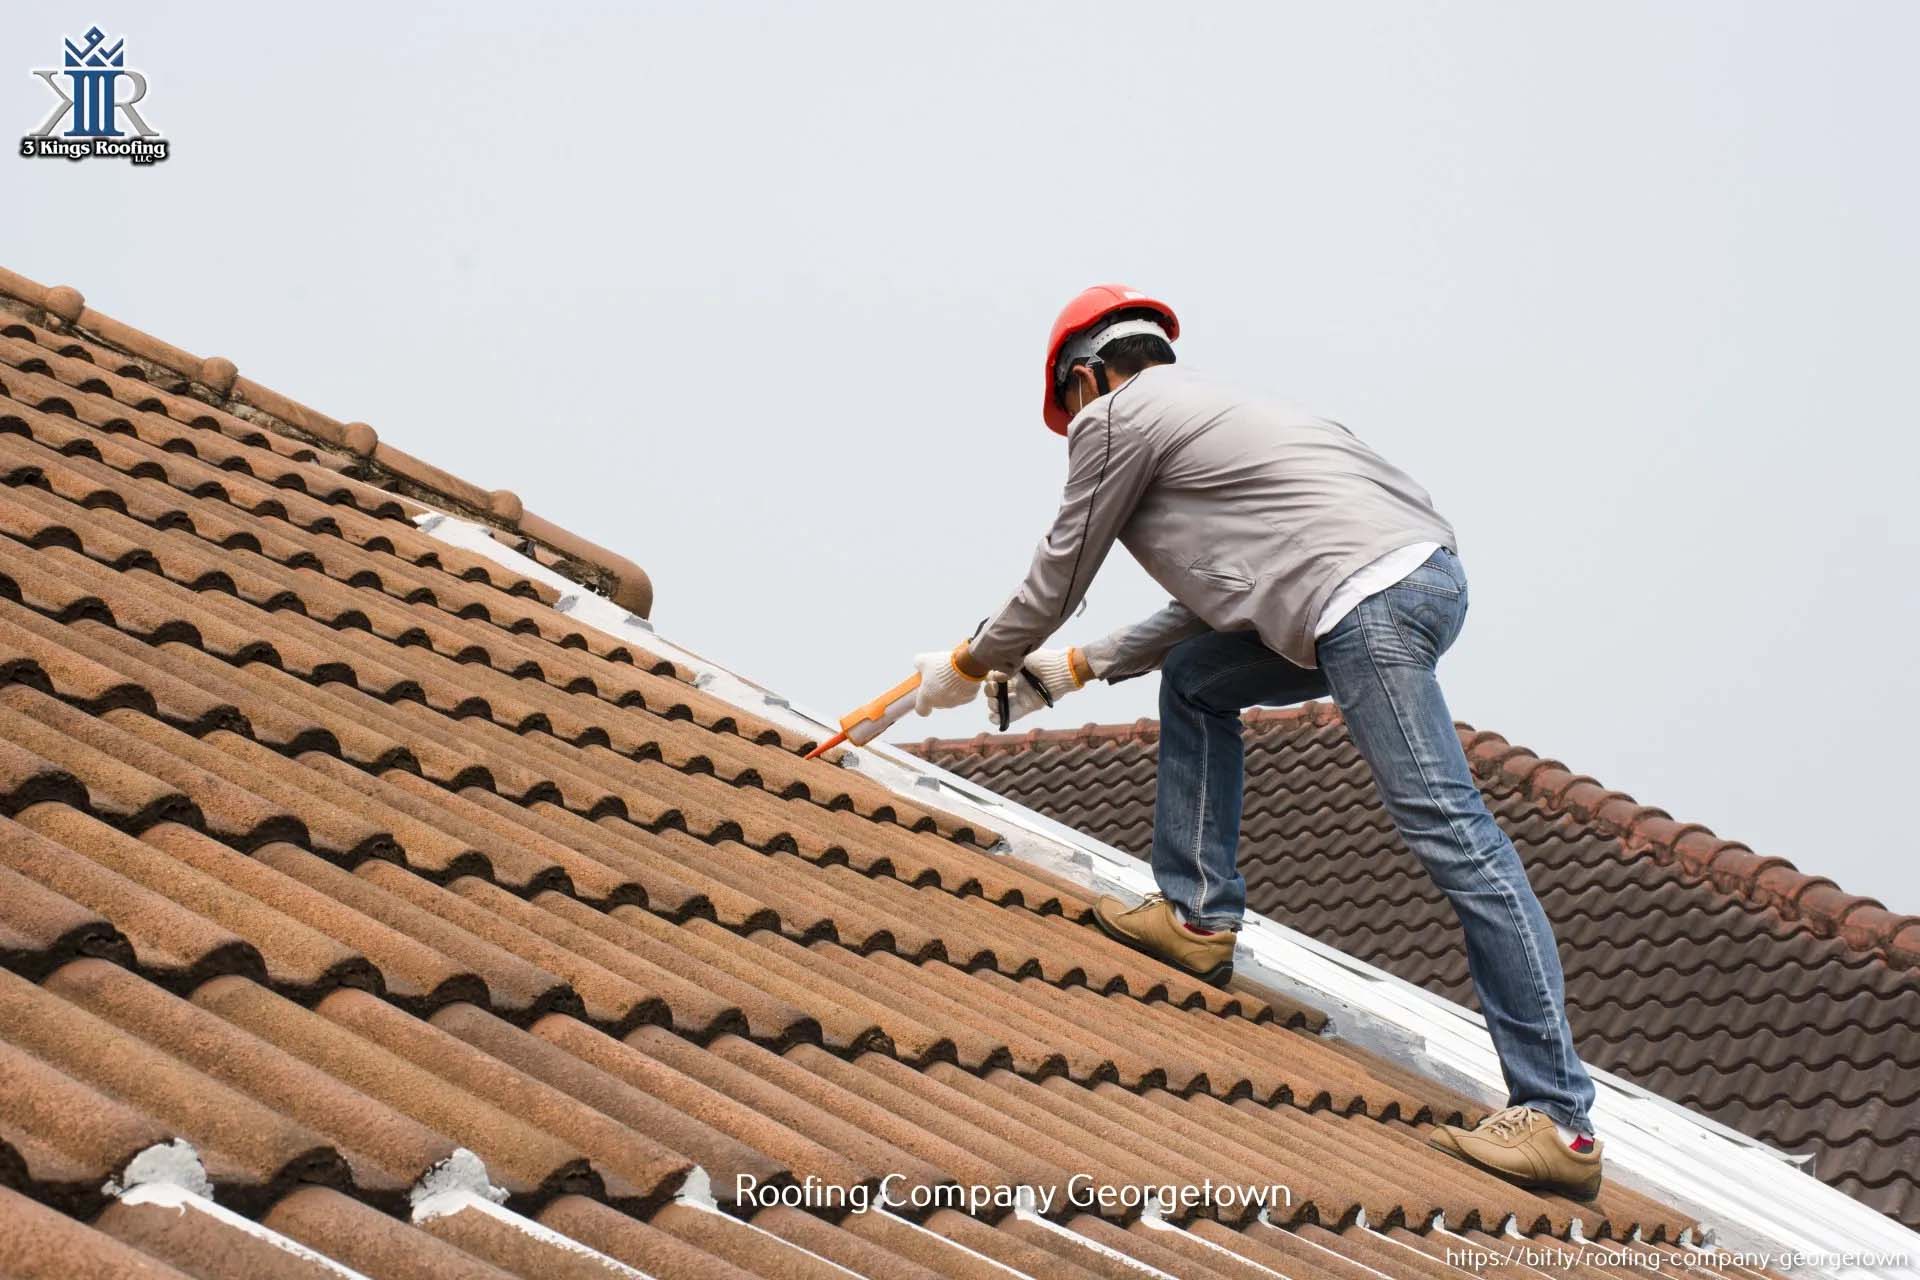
(95, 56)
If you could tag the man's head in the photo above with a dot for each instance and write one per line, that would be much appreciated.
(1121, 346)
(1100, 339)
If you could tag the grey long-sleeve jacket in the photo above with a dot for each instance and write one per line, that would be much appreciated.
(1248, 513)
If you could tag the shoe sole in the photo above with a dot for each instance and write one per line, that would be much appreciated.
(1218, 976)
(1583, 1192)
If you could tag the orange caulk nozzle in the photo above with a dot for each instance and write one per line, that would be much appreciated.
(869, 720)
(828, 745)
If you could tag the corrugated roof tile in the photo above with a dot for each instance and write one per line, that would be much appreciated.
(758, 1252)
(264, 1144)
(369, 1241)
(637, 1244)
(295, 955)
(509, 1246)
(649, 1170)
(206, 1246)
(545, 1058)
(1794, 999)
(168, 940)
(334, 849)
(41, 1244)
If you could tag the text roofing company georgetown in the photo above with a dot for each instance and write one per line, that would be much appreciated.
(99, 92)
(1082, 1191)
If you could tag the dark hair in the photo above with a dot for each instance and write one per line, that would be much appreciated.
(1129, 355)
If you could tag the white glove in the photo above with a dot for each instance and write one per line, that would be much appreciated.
(942, 684)
(1047, 676)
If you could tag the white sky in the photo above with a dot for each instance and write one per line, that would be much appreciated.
(757, 296)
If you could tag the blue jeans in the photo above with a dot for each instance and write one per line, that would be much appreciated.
(1378, 665)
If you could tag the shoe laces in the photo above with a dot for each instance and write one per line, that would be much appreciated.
(1511, 1122)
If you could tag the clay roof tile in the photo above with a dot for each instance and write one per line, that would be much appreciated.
(1788, 976)
(332, 850)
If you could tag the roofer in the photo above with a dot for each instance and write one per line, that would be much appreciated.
(1301, 565)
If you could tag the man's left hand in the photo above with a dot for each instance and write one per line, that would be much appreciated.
(942, 683)
(1047, 676)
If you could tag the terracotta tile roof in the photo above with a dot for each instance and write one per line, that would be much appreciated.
(189, 402)
(1766, 998)
(357, 903)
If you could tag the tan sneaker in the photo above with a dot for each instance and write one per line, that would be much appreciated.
(1522, 1146)
(1154, 927)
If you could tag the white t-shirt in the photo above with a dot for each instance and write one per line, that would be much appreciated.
(1371, 579)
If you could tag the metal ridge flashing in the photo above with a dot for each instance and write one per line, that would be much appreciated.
(1747, 1195)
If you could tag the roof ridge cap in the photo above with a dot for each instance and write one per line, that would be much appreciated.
(216, 381)
(1770, 884)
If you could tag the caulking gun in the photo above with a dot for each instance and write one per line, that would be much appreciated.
(869, 720)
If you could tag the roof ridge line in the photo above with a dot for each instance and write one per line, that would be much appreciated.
(1771, 884)
(1767, 884)
(216, 381)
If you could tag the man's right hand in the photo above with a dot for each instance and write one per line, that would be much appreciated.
(1047, 676)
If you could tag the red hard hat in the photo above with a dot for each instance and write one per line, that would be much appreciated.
(1086, 310)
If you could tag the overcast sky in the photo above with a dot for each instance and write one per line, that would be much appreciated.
(757, 295)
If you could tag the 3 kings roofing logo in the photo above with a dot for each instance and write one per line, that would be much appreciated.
(97, 92)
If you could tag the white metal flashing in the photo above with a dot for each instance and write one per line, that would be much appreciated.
(459, 1184)
(1155, 1222)
(697, 1193)
(1750, 1196)
(1025, 1213)
(169, 1175)
(974, 1255)
(455, 1200)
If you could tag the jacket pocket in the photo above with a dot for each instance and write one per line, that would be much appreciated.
(1220, 577)
(1220, 594)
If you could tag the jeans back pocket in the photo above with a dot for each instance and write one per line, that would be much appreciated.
(1436, 574)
